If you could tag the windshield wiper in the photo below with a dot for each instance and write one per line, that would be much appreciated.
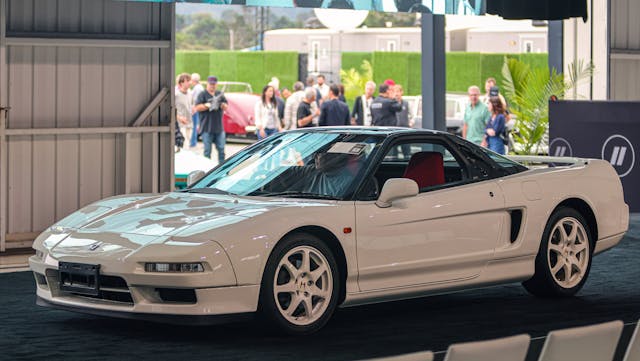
(301, 195)
(206, 191)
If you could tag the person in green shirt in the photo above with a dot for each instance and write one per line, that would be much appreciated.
(475, 117)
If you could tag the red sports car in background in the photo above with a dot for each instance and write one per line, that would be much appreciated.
(238, 118)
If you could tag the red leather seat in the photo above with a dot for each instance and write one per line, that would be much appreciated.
(426, 168)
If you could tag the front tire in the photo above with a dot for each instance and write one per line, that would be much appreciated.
(564, 258)
(300, 285)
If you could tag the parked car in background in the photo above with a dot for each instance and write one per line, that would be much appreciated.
(238, 118)
(454, 111)
(185, 162)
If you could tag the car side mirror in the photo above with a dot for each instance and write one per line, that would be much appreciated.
(396, 188)
(194, 176)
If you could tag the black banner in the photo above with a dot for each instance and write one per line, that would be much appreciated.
(603, 130)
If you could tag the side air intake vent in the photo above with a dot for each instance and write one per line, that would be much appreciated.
(516, 223)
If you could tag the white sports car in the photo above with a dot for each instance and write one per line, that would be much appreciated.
(308, 220)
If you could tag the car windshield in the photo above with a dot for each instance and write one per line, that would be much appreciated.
(317, 165)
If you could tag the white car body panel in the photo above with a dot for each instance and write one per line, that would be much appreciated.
(420, 240)
(435, 242)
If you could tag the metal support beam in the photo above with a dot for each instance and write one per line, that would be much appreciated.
(4, 104)
(155, 103)
(555, 45)
(625, 54)
(85, 131)
(172, 117)
(433, 72)
(90, 43)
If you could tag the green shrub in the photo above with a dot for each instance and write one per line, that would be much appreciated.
(354, 59)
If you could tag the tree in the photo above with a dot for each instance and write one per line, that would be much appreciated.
(528, 91)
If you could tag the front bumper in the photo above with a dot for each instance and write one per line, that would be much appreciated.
(191, 320)
(139, 297)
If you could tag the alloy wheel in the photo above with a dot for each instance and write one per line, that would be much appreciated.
(303, 285)
(568, 252)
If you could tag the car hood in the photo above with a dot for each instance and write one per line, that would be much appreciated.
(128, 223)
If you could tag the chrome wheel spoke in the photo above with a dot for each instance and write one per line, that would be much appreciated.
(564, 237)
(555, 248)
(308, 307)
(318, 272)
(579, 247)
(319, 292)
(577, 263)
(574, 232)
(306, 261)
(289, 287)
(557, 268)
(293, 306)
(293, 271)
(567, 271)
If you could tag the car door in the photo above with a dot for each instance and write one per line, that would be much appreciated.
(447, 232)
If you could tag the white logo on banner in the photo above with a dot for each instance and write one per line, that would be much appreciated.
(619, 151)
(560, 147)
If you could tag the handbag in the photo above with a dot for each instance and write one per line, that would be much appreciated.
(179, 138)
(504, 136)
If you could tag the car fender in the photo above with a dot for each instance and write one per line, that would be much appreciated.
(250, 250)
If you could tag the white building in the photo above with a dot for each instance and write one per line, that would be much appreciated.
(484, 34)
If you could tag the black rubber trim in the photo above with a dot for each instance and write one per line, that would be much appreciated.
(193, 320)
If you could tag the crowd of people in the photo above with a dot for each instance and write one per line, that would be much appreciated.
(317, 104)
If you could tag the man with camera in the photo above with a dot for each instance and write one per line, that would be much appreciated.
(211, 105)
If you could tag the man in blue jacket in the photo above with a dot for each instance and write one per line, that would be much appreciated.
(333, 112)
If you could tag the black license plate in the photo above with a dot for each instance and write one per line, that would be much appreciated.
(79, 278)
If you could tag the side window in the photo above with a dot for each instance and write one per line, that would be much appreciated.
(479, 169)
(429, 163)
(505, 165)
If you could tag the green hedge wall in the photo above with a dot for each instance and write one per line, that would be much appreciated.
(196, 60)
(463, 69)
(355, 59)
(255, 68)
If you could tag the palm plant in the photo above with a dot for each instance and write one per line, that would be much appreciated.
(354, 80)
(528, 91)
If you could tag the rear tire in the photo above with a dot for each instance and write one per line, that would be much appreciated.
(564, 258)
(300, 285)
